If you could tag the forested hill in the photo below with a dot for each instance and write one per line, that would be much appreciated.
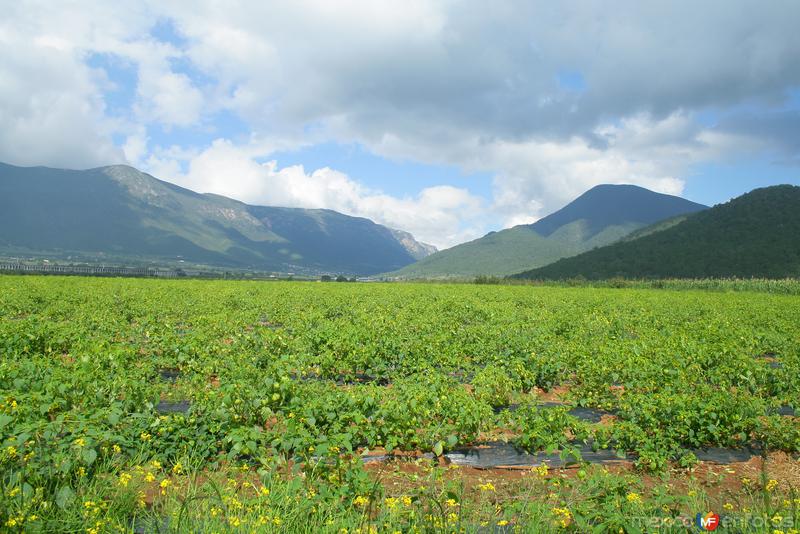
(754, 235)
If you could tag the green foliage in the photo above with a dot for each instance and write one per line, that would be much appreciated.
(493, 386)
(296, 380)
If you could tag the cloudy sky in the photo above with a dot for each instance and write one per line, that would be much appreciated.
(447, 119)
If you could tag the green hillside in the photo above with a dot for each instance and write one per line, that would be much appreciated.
(754, 235)
(602, 215)
(120, 212)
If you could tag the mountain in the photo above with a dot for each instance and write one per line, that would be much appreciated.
(602, 215)
(754, 235)
(120, 212)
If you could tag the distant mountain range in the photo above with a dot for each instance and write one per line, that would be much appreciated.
(600, 216)
(754, 235)
(120, 212)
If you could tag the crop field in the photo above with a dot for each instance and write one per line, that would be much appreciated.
(212, 406)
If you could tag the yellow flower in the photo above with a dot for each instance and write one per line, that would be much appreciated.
(80, 442)
(692, 493)
(164, 485)
(14, 492)
(144, 436)
(124, 479)
(263, 490)
(728, 506)
(502, 523)
(235, 521)
(360, 501)
(149, 477)
(486, 487)
(452, 503)
(776, 519)
(215, 511)
(81, 472)
(116, 448)
(633, 498)
(391, 502)
(541, 470)
(177, 468)
(406, 500)
(771, 485)
(156, 464)
(11, 451)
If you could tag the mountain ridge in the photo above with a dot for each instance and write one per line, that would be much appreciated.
(601, 215)
(120, 210)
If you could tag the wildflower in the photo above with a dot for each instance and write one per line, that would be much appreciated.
(11, 451)
(406, 500)
(88, 504)
(277, 521)
(215, 511)
(771, 485)
(746, 481)
(728, 506)
(502, 523)
(156, 464)
(391, 502)
(486, 487)
(264, 491)
(776, 519)
(116, 448)
(633, 498)
(14, 492)
(177, 468)
(452, 503)
(149, 477)
(124, 479)
(692, 493)
(541, 470)
(311, 449)
(80, 442)
(164, 485)
(360, 501)
(28, 456)
(144, 436)
(81, 471)
(564, 516)
(235, 521)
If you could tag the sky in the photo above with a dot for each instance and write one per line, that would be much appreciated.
(447, 119)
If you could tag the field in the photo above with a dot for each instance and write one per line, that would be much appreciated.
(213, 406)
